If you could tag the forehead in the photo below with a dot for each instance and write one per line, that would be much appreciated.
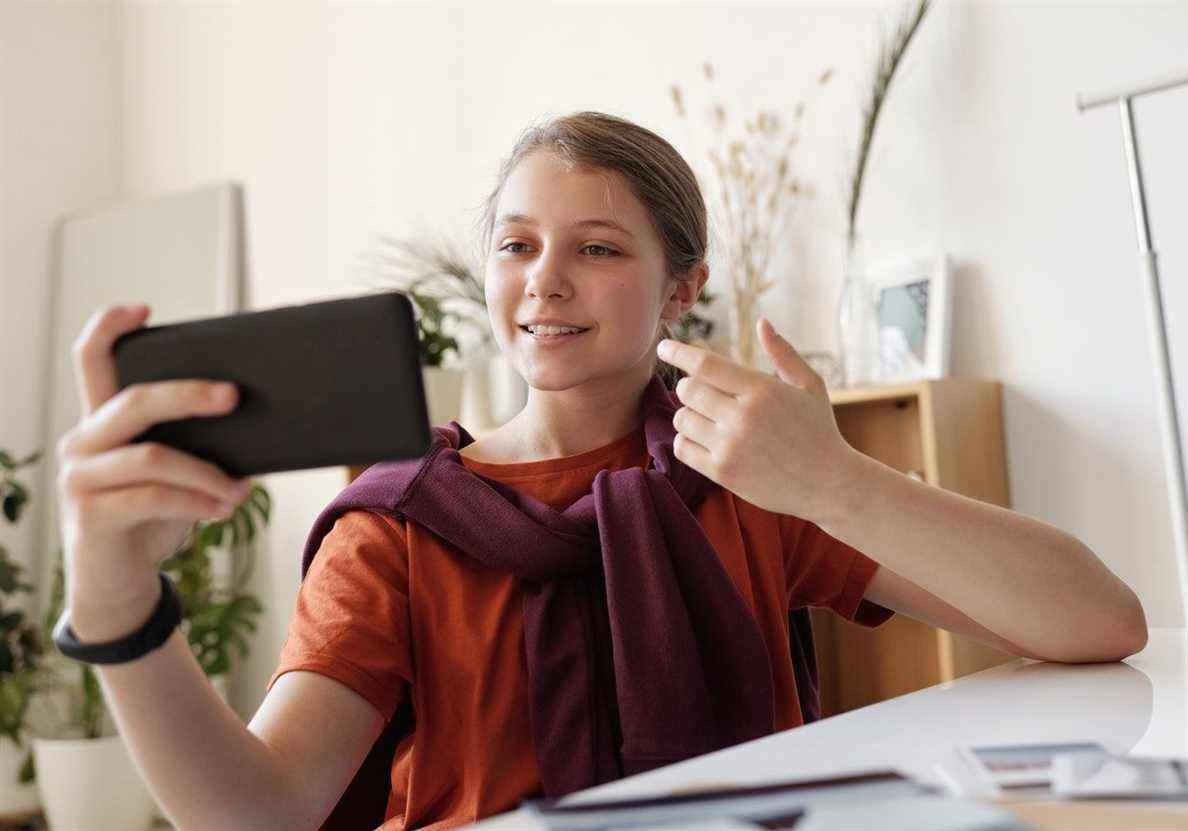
(543, 189)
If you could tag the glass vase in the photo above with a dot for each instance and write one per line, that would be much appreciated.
(857, 325)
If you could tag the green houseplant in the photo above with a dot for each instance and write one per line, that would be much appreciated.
(218, 614)
(442, 281)
(22, 650)
(87, 779)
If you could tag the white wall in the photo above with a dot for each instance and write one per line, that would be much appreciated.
(343, 121)
(60, 119)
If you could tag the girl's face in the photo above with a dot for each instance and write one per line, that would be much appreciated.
(579, 247)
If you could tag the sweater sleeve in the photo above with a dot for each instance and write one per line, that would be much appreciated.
(821, 570)
(351, 619)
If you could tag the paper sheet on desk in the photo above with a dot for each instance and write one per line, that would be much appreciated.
(775, 805)
(1119, 777)
(913, 813)
(1021, 771)
(909, 813)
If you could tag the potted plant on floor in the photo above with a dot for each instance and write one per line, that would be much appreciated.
(22, 650)
(85, 775)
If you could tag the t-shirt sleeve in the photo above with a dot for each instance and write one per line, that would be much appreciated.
(351, 619)
(821, 570)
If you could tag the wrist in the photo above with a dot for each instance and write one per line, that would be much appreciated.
(100, 621)
(844, 495)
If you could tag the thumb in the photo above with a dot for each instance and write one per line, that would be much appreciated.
(790, 367)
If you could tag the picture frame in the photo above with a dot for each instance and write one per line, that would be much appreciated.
(913, 303)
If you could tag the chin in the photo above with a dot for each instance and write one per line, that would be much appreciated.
(549, 379)
(559, 378)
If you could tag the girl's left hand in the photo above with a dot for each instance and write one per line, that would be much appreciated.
(771, 439)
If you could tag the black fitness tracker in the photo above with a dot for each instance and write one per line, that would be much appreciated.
(155, 631)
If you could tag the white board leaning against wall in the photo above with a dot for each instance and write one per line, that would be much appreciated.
(182, 253)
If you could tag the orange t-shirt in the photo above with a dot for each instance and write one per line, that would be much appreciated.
(391, 610)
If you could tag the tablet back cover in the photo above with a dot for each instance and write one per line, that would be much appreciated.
(322, 384)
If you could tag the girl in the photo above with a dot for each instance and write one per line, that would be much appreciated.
(574, 596)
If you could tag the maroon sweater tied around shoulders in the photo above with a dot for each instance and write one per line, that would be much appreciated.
(641, 652)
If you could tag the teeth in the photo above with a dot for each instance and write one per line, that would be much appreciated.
(553, 330)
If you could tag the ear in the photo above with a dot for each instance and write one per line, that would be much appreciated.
(683, 291)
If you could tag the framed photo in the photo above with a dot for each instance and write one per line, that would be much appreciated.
(914, 307)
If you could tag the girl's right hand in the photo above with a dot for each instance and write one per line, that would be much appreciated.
(126, 507)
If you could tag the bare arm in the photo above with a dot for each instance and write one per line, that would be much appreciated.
(774, 441)
(1024, 581)
(125, 507)
(891, 591)
(203, 765)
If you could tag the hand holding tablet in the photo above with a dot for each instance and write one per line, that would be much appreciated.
(330, 383)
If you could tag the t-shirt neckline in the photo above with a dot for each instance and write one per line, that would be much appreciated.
(559, 464)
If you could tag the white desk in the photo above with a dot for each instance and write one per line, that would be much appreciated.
(1138, 706)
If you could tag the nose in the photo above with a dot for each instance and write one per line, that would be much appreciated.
(546, 278)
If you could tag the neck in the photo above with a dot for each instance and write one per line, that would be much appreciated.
(556, 423)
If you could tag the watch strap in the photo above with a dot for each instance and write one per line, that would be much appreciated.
(156, 630)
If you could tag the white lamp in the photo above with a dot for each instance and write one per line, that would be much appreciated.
(1173, 452)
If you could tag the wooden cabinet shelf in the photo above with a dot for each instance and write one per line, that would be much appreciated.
(949, 434)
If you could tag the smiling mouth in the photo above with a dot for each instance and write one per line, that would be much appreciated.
(567, 336)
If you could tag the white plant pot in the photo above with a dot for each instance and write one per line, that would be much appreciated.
(16, 800)
(443, 394)
(91, 785)
(509, 391)
(476, 396)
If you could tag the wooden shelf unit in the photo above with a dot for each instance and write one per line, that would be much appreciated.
(949, 434)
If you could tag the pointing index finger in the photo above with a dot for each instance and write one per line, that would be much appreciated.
(706, 365)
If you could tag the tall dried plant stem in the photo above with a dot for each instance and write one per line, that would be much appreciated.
(890, 56)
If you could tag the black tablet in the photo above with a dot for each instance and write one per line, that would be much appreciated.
(322, 384)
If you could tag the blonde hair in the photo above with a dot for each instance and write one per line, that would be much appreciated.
(657, 174)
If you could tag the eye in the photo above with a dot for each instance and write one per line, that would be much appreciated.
(605, 251)
(609, 251)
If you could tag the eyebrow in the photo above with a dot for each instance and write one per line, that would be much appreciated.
(524, 219)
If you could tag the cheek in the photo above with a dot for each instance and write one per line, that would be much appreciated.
(501, 300)
(634, 307)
